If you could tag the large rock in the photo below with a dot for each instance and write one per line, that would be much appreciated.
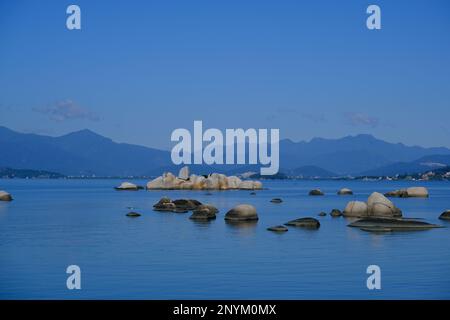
(309, 223)
(250, 185)
(445, 215)
(419, 192)
(5, 196)
(127, 186)
(216, 181)
(401, 193)
(379, 206)
(345, 191)
(184, 173)
(186, 185)
(156, 183)
(233, 182)
(257, 185)
(198, 182)
(413, 192)
(356, 209)
(242, 212)
(166, 181)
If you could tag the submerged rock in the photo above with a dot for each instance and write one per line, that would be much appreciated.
(165, 204)
(345, 191)
(279, 228)
(335, 213)
(5, 196)
(391, 224)
(316, 192)
(127, 186)
(169, 207)
(309, 223)
(186, 204)
(177, 206)
(276, 200)
(204, 212)
(207, 207)
(133, 214)
(322, 214)
(242, 212)
(445, 215)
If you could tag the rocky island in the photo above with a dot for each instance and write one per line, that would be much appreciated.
(214, 181)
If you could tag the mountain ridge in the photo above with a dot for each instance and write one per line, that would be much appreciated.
(85, 152)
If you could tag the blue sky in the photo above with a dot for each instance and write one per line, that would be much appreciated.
(139, 69)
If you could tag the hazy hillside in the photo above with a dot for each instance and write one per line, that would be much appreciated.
(421, 165)
(87, 153)
(78, 153)
(351, 154)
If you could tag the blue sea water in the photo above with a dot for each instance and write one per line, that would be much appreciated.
(52, 224)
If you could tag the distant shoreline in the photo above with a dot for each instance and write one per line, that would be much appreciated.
(368, 179)
(442, 174)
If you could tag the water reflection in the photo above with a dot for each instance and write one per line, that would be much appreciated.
(245, 228)
(202, 224)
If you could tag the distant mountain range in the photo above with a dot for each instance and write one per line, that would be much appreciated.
(351, 155)
(87, 153)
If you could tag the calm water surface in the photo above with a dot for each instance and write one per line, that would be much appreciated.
(55, 223)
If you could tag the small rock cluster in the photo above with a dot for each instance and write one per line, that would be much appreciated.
(199, 211)
(341, 192)
(377, 214)
(377, 205)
